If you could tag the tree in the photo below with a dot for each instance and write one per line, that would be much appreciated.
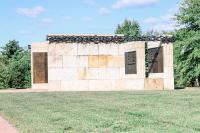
(14, 66)
(11, 50)
(187, 45)
(129, 28)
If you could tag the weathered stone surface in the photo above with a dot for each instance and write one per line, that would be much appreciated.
(70, 49)
(168, 72)
(127, 47)
(116, 62)
(88, 49)
(168, 61)
(93, 61)
(109, 73)
(153, 44)
(51, 50)
(169, 84)
(40, 86)
(100, 85)
(39, 47)
(104, 60)
(82, 61)
(101, 67)
(134, 84)
(55, 61)
(74, 85)
(54, 85)
(82, 73)
(109, 49)
(70, 61)
(154, 84)
(63, 74)
(156, 75)
(93, 74)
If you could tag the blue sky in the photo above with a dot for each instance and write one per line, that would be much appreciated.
(31, 20)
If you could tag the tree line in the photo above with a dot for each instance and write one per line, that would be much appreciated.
(15, 66)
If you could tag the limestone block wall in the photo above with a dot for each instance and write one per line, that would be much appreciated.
(93, 67)
(100, 67)
(162, 81)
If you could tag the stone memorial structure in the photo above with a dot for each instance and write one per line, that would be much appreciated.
(102, 63)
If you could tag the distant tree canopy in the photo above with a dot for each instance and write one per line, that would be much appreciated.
(152, 33)
(187, 45)
(129, 28)
(15, 69)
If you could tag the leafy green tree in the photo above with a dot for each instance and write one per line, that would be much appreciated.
(187, 45)
(11, 50)
(14, 66)
(129, 28)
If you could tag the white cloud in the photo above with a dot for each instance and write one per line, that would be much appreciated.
(47, 21)
(164, 27)
(162, 23)
(87, 19)
(104, 11)
(31, 12)
(129, 3)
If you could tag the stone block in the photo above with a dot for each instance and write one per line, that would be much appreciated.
(93, 73)
(70, 61)
(66, 49)
(100, 85)
(154, 84)
(141, 52)
(39, 47)
(88, 49)
(63, 74)
(168, 61)
(116, 62)
(69, 74)
(70, 49)
(40, 86)
(93, 61)
(52, 49)
(156, 75)
(55, 61)
(109, 73)
(54, 85)
(118, 85)
(169, 84)
(82, 73)
(126, 47)
(104, 60)
(60, 49)
(55, 73)
(134, 84)
(168, 49)
(140, 74)
(75, 85)
(152, 44)
(109, 49)
(93, 49)
(82, 61)
(168, 72)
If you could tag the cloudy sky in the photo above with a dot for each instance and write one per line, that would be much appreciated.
(31, 20)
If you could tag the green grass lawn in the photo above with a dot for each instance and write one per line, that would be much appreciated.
(103, 112)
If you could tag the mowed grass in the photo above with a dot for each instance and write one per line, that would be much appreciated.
(103, 112)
